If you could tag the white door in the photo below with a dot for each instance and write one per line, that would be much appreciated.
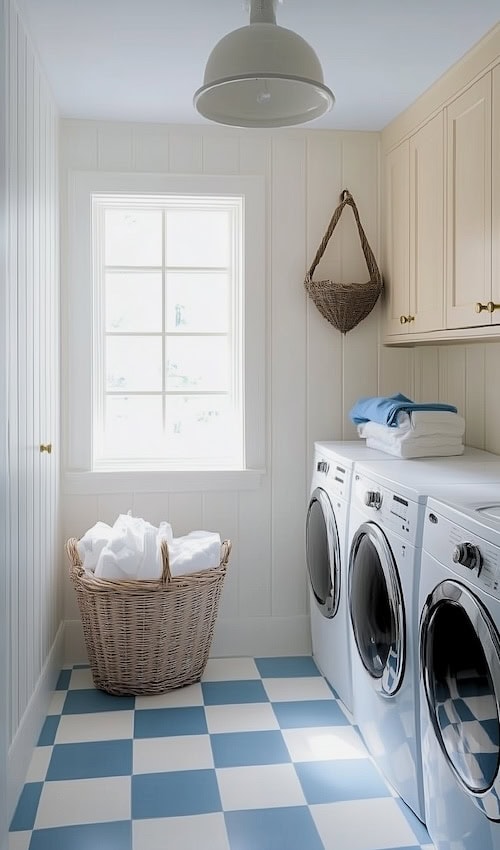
(469, 206)
(397, 240)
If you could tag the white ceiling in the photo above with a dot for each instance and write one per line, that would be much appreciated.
(142, 60)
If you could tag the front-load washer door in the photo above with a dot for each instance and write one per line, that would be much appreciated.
(460, 664)
(377, 609)
(323, 552)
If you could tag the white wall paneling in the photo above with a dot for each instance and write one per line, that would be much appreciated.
(313, 373)
(32, 338)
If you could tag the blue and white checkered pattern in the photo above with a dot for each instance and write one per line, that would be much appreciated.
(259, 755)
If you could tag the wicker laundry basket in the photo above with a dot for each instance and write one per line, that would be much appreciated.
(146, 637)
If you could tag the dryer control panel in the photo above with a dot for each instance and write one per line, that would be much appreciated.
(332, 476)
(465, 553)
(387, 507)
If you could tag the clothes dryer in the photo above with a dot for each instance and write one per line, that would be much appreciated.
(459, 644)
(326, 542)
(385, 531)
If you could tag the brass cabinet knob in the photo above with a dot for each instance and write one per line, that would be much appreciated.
(46, 448)
(490, 307)
(406, 319)
(411, 318)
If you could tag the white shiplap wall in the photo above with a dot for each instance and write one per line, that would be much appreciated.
(313, 373)
(32, 365)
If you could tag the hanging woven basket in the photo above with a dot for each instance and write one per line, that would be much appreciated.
(345, 305)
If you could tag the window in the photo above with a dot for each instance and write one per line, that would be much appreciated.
(165, 323)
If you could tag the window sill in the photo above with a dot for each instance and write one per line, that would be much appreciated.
(175, 481)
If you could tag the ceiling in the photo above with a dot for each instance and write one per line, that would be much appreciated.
(142, 60)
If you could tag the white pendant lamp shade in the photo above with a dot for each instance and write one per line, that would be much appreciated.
(263, 75)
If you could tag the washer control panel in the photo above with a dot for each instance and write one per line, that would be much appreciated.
(332, 476)
(386, 507)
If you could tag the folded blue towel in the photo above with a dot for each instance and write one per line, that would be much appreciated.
(385, 409)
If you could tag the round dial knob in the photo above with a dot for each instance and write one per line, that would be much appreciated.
(373, 499)
(468, 555)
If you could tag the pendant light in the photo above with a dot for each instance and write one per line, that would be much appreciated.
(263, 75)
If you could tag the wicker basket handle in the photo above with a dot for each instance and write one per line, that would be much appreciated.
(166, 575)
(72, 553)
(346, 198)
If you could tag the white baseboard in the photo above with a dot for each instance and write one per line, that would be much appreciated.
(244, 636)
(26, 737)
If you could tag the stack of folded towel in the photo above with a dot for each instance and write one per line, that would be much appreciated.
(131, 549)
(398, 426)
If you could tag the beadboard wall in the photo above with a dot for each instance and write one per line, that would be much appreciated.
(31, 325)
(314, 374)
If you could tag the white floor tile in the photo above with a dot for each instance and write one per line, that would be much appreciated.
(207, 831)
(19, 840)
(323, 743)
(81, 679)
(177, 698)
(84, 801)
(185, 752)
(259, 787)
(39, 764)
(363, 825)
(57, 702)
(254, 717)
(297, 688)
(100, 726)
(224, 669)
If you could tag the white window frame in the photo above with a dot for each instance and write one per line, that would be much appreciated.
(78, 344)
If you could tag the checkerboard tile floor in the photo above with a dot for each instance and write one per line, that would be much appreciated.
(260, 755)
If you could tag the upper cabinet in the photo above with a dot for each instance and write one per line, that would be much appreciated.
(441, 203)
(414, 232)
(468, 120)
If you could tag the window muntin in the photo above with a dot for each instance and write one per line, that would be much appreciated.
(167, 372)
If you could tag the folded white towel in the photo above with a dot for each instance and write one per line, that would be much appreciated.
(431, 422)
(394, 437)
(132, 551)
(198, 550)
(414, 448)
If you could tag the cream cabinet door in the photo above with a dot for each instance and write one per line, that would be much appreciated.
(397, 240)
(469, 206)
(427, 284)
(495, 167)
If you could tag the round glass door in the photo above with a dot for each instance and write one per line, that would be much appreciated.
(460, 661)
(376, 608)
(323, 553)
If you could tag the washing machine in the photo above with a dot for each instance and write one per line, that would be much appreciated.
(459, 645)
(326, 542)
(385, 535)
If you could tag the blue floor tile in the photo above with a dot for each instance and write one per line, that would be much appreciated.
(63, 680)
(49, 729)
(91, 836)
(163, 722)
(239, 691)
(90, 760)
(284, 668)
(290, 828)
(25, 814)
(341, 779)
(89, 700)
(318, 712)
(235, 749)
(175, 794)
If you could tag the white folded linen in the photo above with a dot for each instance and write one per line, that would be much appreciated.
(431, 422)
(416, 448)
(413, 427)
(198, 550)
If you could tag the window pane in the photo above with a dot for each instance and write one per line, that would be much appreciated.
(133, 301)
(133, 238)
(201, 426)
(133, 427)
(200, 363)
(198, 238)
(133, 363)
(197, 302)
